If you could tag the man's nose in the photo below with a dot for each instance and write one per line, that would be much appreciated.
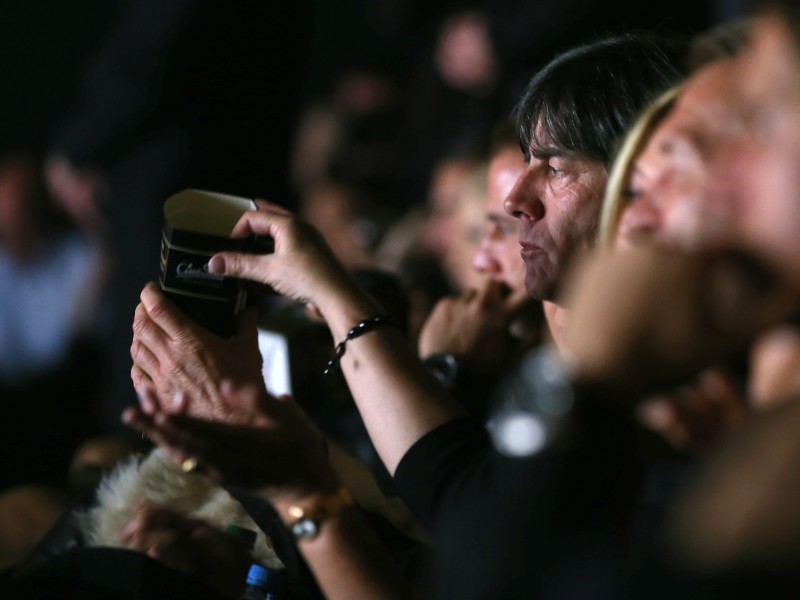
(523, 202)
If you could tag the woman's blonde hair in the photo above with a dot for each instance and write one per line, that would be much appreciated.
(615, 199)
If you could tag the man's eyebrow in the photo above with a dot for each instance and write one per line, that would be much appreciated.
(545, 152)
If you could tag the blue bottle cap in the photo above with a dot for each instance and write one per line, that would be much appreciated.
(258, 576)
(270, 580)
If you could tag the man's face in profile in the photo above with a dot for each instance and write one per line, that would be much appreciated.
(557, 199)
(498, 254)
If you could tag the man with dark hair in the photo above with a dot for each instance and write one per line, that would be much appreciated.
(569, 121)
(586, 97)
(568, 124)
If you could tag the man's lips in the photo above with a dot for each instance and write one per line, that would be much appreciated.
(528, 249)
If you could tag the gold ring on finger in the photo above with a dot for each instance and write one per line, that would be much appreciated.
(189, 465)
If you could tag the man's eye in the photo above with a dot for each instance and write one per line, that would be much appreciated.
(631, 193)
(554, 166)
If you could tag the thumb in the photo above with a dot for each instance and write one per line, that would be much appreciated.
(238, 264)
(489, 291)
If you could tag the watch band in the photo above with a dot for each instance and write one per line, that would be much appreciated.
(306, 521)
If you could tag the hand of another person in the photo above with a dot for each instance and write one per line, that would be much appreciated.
(775, 367)
(280, 453)
(190, 546)
(645, 319)
(175, 357)
(475, 326)
(694, 415)
(80, 192)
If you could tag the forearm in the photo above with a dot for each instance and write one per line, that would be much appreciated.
(349, 562)
(398, 399)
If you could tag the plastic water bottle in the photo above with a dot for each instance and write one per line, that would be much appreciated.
(263, 584)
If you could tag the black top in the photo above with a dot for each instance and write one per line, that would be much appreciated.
(554, 524)
(452, 461)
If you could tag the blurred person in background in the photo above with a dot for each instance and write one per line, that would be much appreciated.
(443, 230)
(51, 324)
(499, 251)
(736, 526)
(456, 231)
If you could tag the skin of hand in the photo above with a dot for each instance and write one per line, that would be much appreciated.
(80, 192)
(302, 267)
(693, 415)
(174, 356)
(475, 326)
(190, 546)
(647, 319)
(774, 365)
(279, 453)
(281, 456)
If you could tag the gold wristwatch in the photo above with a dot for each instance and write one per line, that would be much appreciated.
(306, 520)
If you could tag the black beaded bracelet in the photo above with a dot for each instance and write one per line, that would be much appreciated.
(358, 330)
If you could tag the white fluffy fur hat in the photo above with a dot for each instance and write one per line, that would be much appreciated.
(157, 480)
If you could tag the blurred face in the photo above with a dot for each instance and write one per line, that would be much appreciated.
(671, 199)
(332, 209)
(557, 201)
(762, 178)
(468, 226)
(442, 233)
(498, 254)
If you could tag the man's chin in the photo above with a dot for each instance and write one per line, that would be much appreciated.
(539, 288)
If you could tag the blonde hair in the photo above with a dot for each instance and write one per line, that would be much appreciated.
(615, 200)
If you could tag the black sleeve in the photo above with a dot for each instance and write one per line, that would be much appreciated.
(450, 463)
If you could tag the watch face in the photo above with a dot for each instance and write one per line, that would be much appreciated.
(305, 529)
(444, 367)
